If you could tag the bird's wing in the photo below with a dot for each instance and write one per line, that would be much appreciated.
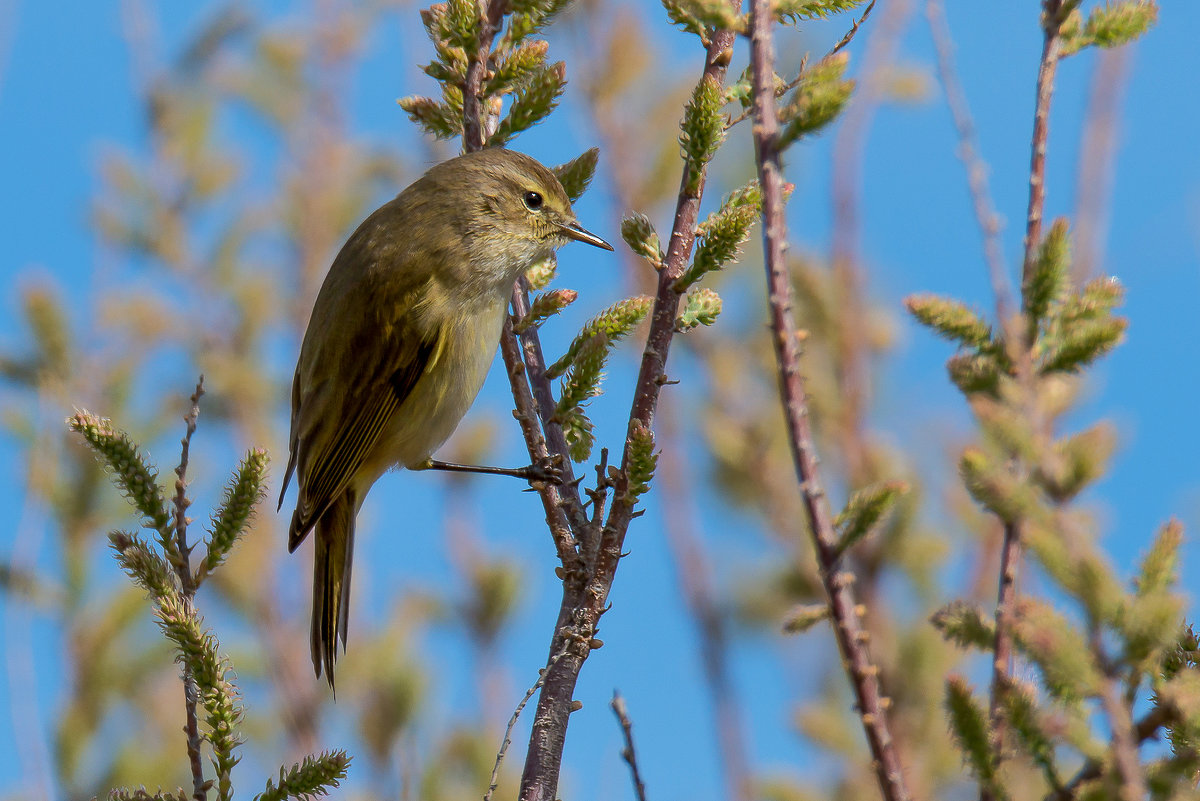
(339, 424)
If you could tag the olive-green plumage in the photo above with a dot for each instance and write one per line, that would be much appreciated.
(401, 336)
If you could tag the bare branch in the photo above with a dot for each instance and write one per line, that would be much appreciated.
(628, 753)
(852, 640)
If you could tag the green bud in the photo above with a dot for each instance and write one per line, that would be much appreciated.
(950, 319)
(638, 232)
(864, 510)
(545, 306)
(965, 625)
(577, 173)
(642, 458)
(702, 129)
(532, 103)
(968, 725)
(702, 306)
(542, 273)
(438, 119)
(614, 322)
(794, 11)
(818, 99)
(312, 777)
(802, 617)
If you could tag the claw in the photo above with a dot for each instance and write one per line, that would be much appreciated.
(548, 470)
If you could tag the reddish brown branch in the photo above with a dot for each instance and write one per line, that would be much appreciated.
(851, 637)
(585, 593)
(1010, 555)
(191, 695)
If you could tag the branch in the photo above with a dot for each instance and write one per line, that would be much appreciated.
(188, 585)
(627, 753)
(585, 594)
(851, 637)
(1010, 554)
(968, 152)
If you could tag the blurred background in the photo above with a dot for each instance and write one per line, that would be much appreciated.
(176, 178)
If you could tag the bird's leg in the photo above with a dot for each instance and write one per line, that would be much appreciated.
(548, 469)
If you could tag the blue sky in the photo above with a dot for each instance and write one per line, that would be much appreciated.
(66, 96)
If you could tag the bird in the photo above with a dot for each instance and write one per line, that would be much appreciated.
(401, 336)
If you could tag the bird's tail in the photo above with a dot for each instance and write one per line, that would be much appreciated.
(332, 562)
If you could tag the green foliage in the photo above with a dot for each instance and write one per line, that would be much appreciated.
(864, 510)
(1078, 568)
(642, 459)
(795, 11)
(580, 384)
(1076, 461)
(701, 306)
(717, 14)
(1081, 344)
(441, 120)
(534, 101)
(802, 617)
(1110, 25)
(950, 319)
(615, 323)
(680, 15)
(968, 725)
(541, 274)
(516, 67)
(965, 625)
(638, 232)
(545, 306)
(1157, 572)
(994, 486)
(244, 491)
(975, 373)
(577, 173)
(1049, 278)
(530, 17)
(1057, 649)
(136, 477)
(818, 99)
(311, 778)
(702, 129)
(722, 234)
(1029, 727)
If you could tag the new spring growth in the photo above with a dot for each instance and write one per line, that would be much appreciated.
(697, 15)
(545, 306)
(702, 129)
(864, 510)
(638, 232)
(796, 11)
(577, 173)
(541, 274)
(243, 492)
(966, 625)
(819, 97)
(136, 477)
(968, 725)
(614, 322)
(802, 617)
(702, 306)
(308, 779)
(1109, 25)
(721, 236)
(642, 459)
(581, 383)
(533, 102)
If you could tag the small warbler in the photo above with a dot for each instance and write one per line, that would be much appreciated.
(401, 336)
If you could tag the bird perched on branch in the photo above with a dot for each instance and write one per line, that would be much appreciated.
(401, 336)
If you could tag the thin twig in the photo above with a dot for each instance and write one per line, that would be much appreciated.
(1146, 729)
(845, 40)
(1010, 554)
(628, 753)
(512, 722)
(1097, 151)
(695, 579)
(968, 152)
(188, 585)
(852, 641)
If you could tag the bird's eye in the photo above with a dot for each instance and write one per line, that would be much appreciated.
(533, 201)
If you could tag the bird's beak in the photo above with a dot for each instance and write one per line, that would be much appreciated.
(573, 230)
